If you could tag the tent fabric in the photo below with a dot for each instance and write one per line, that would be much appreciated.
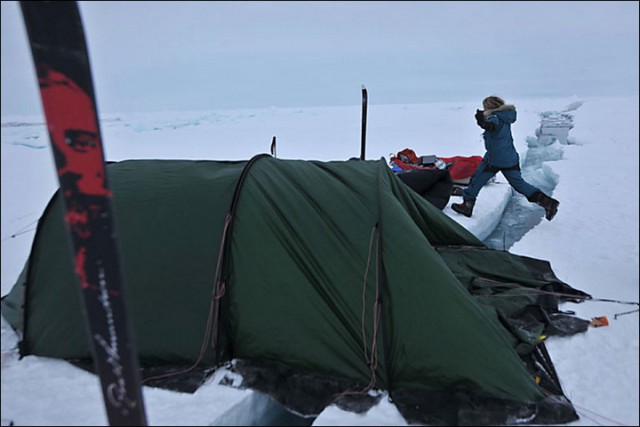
(333, 270)
(435, 185)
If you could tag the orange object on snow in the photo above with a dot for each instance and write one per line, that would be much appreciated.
(596, 322)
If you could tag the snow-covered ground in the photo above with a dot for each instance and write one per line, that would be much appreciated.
(592, 243)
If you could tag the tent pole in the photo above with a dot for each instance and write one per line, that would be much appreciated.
(364, 122)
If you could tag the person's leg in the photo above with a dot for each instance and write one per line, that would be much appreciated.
(482, 175)
(549, 204)
(533, 194)
(514, 177)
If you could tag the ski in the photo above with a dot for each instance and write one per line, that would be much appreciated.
(61, 60)
(273, 147)
(364, 122)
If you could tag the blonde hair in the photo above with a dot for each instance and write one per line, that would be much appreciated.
(492, 102)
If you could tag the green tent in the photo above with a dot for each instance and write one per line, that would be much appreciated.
(316, 279)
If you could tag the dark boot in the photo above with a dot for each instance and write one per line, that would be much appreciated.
(549, 204)
(456, 191)
(465, 208)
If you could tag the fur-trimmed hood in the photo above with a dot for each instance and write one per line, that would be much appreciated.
(505, 113)
(503, 107)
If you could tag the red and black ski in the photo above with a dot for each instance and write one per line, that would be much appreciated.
(61, 59)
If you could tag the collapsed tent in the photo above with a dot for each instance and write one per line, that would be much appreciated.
(321, 280)
(434, 185)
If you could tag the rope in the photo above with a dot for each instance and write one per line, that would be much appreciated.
(23, 230)
(220, 286)
(372, 361)
(219, 289)
(540, 291)
(615, 316)
(364, 293)
(200, 356)
(210, 332)
(610, 422)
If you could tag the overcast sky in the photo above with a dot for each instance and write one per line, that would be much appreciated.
(151, 56)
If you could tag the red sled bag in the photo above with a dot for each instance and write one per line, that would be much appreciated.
(408, 156)
(462, 168)
(407, 159)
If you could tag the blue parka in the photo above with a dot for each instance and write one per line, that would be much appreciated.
(498, 142)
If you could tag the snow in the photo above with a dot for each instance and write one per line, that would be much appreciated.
(592, 243)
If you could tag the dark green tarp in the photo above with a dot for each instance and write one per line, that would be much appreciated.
(335, 270)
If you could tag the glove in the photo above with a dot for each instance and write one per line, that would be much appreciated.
(482, 122)
(480, 118)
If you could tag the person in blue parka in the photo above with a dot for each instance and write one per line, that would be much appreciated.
(500, 156)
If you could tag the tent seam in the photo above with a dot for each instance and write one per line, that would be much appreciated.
(380, 264)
